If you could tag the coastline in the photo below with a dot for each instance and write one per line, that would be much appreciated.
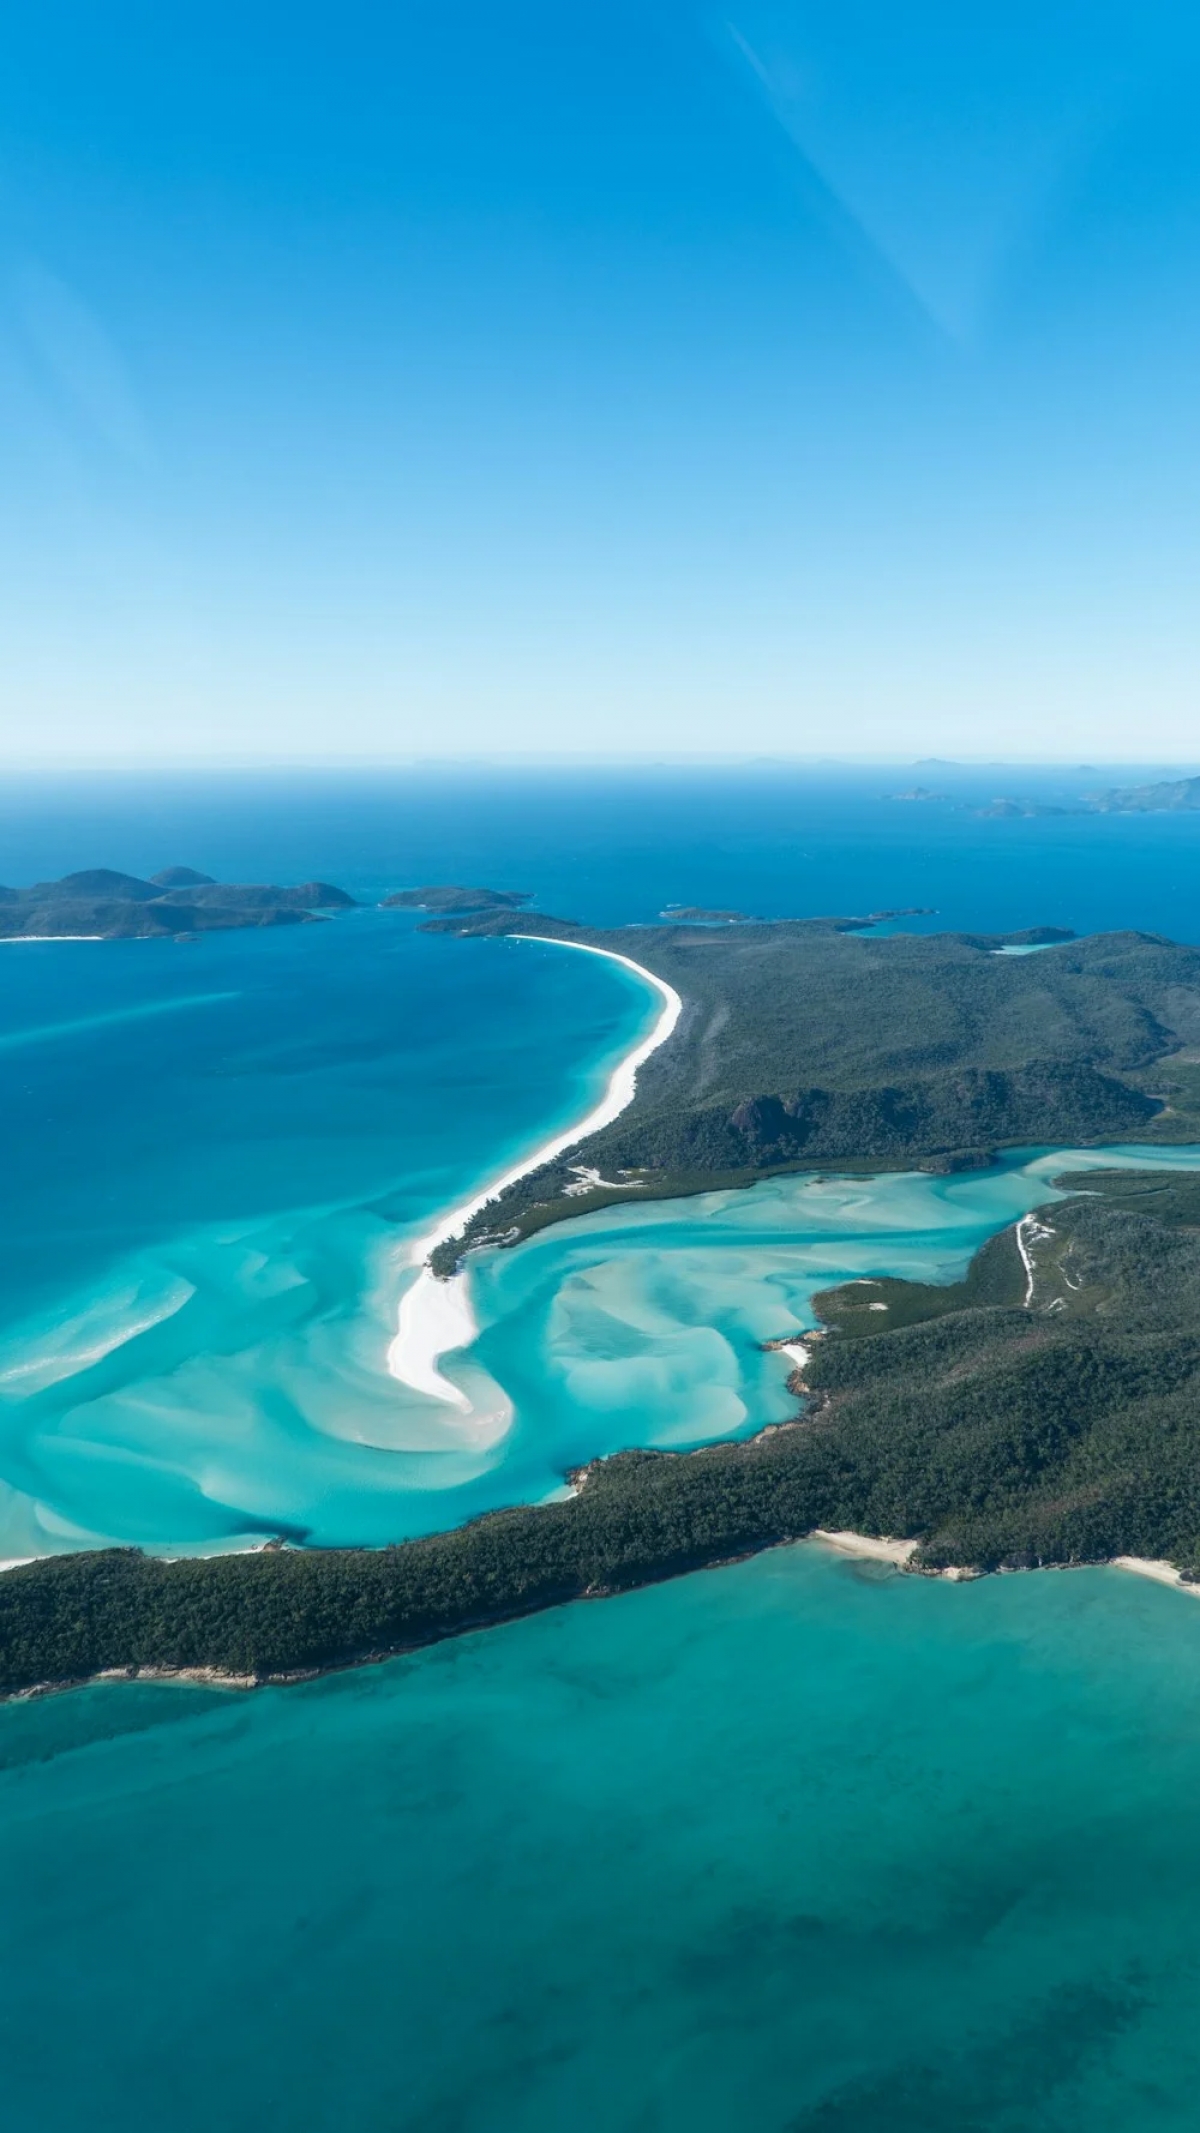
(897, 1554)
(436, 1315)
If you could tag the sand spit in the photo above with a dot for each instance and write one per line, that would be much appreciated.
(436, 1316)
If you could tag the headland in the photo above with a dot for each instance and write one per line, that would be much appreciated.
(804, 1044)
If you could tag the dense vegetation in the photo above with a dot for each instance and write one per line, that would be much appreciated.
(805, 1043)
(993, 1434)
(101, 902)
(864, 1309)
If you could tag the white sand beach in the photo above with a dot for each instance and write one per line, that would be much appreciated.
(1144, 1566)
(876, 1551)
(795, 1351)
(435, 1315)
(901, 1553)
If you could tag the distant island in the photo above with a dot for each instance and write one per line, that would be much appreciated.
(101, 904)
(698, 915)
(451, 897)
(1170, 796)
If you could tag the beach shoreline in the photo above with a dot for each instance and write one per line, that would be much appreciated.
(1162, 1573)
(436, 1315)
(867, 1549)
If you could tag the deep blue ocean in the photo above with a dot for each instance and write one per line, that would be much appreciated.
(789, 1845)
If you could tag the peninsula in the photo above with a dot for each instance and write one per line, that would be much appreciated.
(804, 1043)
(102, 904)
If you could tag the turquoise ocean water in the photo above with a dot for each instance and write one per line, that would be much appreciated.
(792, 1844)
(795, 1846)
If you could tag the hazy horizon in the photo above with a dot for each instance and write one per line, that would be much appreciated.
(484, 760)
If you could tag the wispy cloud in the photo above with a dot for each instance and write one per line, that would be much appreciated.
(941, 200)
(80, 360)
(781, 86)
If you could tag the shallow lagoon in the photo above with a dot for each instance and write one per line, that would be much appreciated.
(799, 1844)
(233, 1382)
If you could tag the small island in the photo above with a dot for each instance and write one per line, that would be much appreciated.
(698, 915)
(103, 904)
(452, 897)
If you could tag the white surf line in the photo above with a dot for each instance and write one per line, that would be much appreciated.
(436, 1316)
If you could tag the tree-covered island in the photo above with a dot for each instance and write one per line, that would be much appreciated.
(103, 904)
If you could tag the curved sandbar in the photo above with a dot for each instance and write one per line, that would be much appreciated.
(436, 1316)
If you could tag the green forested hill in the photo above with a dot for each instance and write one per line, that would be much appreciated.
(804, 1043)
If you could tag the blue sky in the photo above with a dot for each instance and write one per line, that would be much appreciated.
(380, 380)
